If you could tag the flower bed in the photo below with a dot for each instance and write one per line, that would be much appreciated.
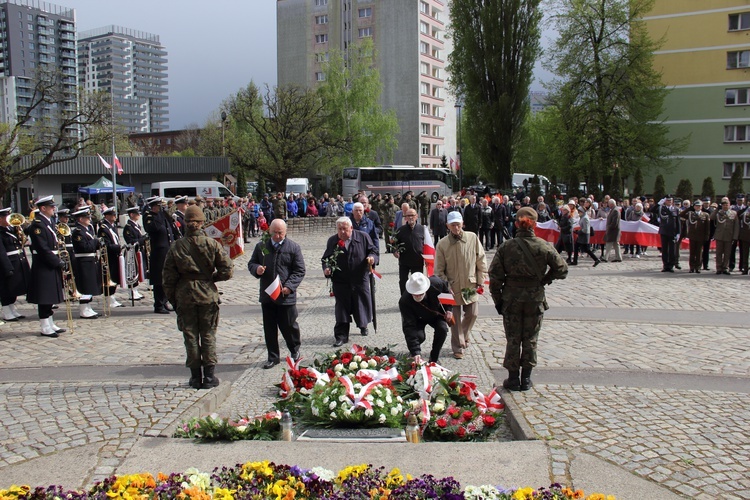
(368, 387)
(265, 480)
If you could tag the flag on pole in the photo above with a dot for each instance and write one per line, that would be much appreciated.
(428, 252)
(274, 289)
(104, 162)
(453, 164)
(447, 299)
(227, 230)
(117, 163)
(377, 275)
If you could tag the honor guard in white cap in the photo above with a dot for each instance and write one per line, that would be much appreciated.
(88, 272)
(108, 233)
(134, 234)
(46, 283)
(178, 227)
(14, 268)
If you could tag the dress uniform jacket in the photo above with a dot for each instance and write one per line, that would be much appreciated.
(351, 285)
(133, 234)
(697, 224)
(727, 225)
(160, 233)
(178, 225)
(111, 238)
(14, 268)
(88, 272)
(45, 285)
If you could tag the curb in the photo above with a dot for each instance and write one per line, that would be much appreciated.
(519, 426)
(204, 405)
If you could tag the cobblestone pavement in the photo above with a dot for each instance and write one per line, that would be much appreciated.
(694, 442)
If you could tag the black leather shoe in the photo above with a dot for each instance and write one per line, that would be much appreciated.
(364, 331)
(161, 310)
(295, 355)
(677, 266)
(63, 330)
(51, 335)
(725, 272)
(512, 384)
(338, 343)
(269, 364)
(168, 307)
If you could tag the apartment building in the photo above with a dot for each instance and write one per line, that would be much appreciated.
(132, 66)
(34, 36)
(705, 61)
(409, 37)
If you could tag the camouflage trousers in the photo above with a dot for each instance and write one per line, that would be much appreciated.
(522, 322)
(198, 323)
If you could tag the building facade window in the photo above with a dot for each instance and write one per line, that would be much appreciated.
(424, 47)
(424, 8)
(738, 59)
(424, 108)
(424, 28)
(323, 38)
(739, 21)
(729, 168)
(737, 97)
(320, 76)
(365, 32)
(320, 3)
(321, 57)
(424, 68)
(424, 88)
(425, 149)
(321, 19)
(737, 133)
(425, 128)
(365, 12)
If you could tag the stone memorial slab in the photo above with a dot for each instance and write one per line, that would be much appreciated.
(373, 435)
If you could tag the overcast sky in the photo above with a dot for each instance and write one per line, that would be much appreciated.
(214, 47)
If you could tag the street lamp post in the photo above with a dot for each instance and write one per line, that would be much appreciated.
(458, 149)
(223, 120)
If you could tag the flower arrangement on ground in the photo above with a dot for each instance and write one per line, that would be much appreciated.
(215, 428)
(266, 480)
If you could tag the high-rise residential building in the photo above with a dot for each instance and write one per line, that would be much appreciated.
(705, 62)
(409, 38)
(132, 66)
(34, 37)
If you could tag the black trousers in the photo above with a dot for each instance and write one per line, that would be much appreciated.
(403, 274)
(705, 256)
(278, 317)
(44, 310)
(668, 251)
(584, 248)
(160, 299)
(415, 338)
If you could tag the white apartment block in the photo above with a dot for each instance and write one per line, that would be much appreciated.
(409, 37)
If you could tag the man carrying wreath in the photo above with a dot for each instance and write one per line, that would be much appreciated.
(347, 260)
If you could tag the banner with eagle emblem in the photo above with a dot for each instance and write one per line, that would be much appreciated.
(227, 230)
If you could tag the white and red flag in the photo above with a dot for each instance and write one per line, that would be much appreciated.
(274, 289)
(227, 230)
(428, 252)
(104, 162)
(447, 299)
(117, 163)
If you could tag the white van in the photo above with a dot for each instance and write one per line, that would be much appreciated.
(206, 189)
(519, 178)
(297, 185)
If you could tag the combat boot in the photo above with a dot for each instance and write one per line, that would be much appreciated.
(209, 380)
(526, 382)
(513, 382)
(196, 378)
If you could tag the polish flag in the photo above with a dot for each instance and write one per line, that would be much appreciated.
(104, 162)
(377, 275)
(274, 289)
(428, 252)
(117, 163)
(447, 299)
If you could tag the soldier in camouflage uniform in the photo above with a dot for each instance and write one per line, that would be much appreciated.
(279, 207)
(424, 207)
(193, 265)
(517, 287)
(389, 218)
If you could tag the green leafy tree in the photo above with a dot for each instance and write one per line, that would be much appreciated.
(282, 131)
(615, 185)
(638, 187)
(51, 128)
(241, 182)
(610, 96)
(684, 189)
(707, 189)
(660, 189)
(735, 182)
(495, 46)
(360, 133)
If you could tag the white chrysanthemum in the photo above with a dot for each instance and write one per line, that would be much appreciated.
(380, 403)
(363, 364)
(348, 412)
(357, 386)
(382, 418)
(438, 408)
(370, 398)
(357, 358)
(342, 398)
(326, 400)
(314, 410)
(398, 398)
(353, 365)
(241, 428)
(388, 398)
(338, 367)
(372, 363)
(332, 405)
(324, 474)
(369, 412)
(333, 415)
(394, 411)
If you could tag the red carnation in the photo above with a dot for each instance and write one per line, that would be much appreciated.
(391, 224)
(461, 432)
(452, 385)
(441, 422)
(480, 290)
(488, 420)
(330, 373)
(453, 412)
(263, 226)
(465, 390)
(342, 244)
(346, 358)
(468, 415)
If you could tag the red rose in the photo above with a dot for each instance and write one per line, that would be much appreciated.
(346, 358)
(441, 422)
(342, 244)
(391, 224)
(177, 223)
(488, 420)
(465, 390)
(480, 290)
(468, 415)
(452, 385)
(330, 294)
(453, 412)
(330, 373)
(392, 360)
(263, 226)
(461, 432)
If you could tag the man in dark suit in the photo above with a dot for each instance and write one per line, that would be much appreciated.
(347, 260)
(437, 221)
(472, 214)
(46, 285)
(410, 239)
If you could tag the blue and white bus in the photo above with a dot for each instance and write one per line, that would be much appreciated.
(437, 182)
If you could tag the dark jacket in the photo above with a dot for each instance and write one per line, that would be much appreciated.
(438, 219)
(413, 245)
(45, 286)
(472, 217)
(415, 315)
(286, 262)
(14, 268)
(368, 227)
(88, 274)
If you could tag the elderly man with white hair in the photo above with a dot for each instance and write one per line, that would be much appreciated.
(361, 222)
(612, 234)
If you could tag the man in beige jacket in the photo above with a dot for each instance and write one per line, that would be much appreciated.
(459, 260)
